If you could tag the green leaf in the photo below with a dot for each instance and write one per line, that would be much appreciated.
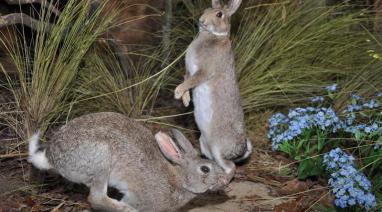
(300, 144)
(332, 96)
(309, 167)
(298, 157)
(312, 150)
(374, 133)
(320, 143)
(287, 148)
(359, 135)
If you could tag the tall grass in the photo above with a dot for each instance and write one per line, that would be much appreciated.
(367, 82)
(104, 86)
(47, 68)
(289, 51)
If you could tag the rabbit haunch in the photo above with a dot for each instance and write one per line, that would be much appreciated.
(210, 73)
(154, 173)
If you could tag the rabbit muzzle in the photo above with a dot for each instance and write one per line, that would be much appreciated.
(210, 29)
(203, 27)
(221, 183)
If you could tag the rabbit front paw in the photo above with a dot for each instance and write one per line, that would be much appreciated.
(179, 91)
(186, 98)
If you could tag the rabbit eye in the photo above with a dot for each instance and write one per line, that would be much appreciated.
(205, 169)
(219, 14)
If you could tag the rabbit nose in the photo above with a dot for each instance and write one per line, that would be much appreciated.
(224, 181)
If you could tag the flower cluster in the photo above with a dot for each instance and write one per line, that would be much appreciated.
(361, 118)
(286, 128)
(317, 99)
(349, 186)
(331, 88)
(357, 108)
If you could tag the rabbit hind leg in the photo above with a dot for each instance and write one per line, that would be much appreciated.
(99, 200)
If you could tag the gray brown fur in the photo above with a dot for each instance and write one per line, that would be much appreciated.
(210, 73)
(109, 149)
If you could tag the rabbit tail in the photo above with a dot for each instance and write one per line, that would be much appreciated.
(37, 156)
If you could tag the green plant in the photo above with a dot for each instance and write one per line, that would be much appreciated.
(286, 52)
(104, 86)
(306, 133)
(47, 68)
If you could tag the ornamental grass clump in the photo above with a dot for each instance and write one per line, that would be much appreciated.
(48, 66)
(104, 86)
(349, 186)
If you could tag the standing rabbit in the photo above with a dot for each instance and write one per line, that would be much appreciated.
(210, 72)
(109, 149)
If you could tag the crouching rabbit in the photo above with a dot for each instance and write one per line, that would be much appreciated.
(110, 149)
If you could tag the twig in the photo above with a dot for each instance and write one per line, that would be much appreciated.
(44, 3)
(57, 208)
(21, 18)
(265, 181)
(13, 155)
(164, 117)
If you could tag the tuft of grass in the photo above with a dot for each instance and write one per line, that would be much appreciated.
(104, 86)
(47, 68)
(288, 52)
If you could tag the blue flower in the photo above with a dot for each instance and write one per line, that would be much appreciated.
(371, 104)
(317, 99)
(331, 88)
(286, 128)
(348, 185)
(356, 97)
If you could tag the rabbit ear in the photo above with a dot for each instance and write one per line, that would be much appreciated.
(233, 6)
(183, 142)
(216, 4)
(168, 147)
